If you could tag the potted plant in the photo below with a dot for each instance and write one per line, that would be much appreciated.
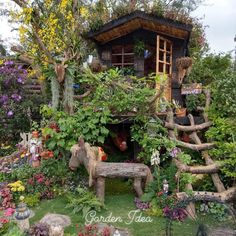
(179, 111)
(139, 48)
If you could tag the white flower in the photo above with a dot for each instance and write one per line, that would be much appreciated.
(155, 158)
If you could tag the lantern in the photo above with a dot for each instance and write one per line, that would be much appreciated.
(22, 215)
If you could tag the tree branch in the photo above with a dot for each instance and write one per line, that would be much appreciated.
(213, 168)
(188, 128)
(223, 197)
(78, 97)
(157, 95)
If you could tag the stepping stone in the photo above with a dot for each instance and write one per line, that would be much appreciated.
(56, 219)
(221, 231)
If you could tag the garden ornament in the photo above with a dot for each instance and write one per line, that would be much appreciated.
(91, 158)
(22, 214)
(35, 148)
(165, 186)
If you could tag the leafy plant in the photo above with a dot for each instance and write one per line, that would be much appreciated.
(32, 199)
(39, 229)
(195, 100)
(139, 47)
(83, 201)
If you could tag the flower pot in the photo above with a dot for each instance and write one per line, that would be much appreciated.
(180, 112)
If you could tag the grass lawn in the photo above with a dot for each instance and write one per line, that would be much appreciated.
(119, 202)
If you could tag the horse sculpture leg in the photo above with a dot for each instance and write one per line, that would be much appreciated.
(138, 186)
(100, 188)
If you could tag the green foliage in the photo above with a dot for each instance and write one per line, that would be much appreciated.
(195, 100)
(118, 93)
(186, 178)
(86, 121)
(139, 47)
(32, 199)
(223, 95)
(185, 158)
(14, 231)
(209, 68)
(83, 201)
(218, 210)
(141, 134)
(223, 134)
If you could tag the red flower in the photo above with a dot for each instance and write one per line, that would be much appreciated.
(30, 181)
(40, 180)
(160, 193)
(4, 220)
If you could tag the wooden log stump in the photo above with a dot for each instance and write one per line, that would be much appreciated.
(138, 186)
(100, 188)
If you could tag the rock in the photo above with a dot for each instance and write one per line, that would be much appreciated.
(56, 230)
(56, 220)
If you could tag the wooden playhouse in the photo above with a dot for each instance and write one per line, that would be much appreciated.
(162, 40)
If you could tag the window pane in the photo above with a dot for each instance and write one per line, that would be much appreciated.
(168, 46)
(162, 43)
(161, 67)
(161, 56)
(128, 48)
(116, 59)
(128, 59)
(168, 69)
(168, 57)
(116, 49)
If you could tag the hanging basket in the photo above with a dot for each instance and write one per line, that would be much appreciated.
(184, 62)
(184, 65)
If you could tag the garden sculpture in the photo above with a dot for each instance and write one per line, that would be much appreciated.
(90, 157)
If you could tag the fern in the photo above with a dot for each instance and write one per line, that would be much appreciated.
(83, 201)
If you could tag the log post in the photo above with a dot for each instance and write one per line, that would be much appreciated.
(215, 177)
(138, 186)
(191, 206)
(100, 188)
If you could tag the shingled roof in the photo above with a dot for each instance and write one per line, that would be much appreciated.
(140, 20)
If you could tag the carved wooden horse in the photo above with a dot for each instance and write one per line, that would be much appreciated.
(83, 153)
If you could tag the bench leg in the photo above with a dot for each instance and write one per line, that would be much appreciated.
(100, 188)
(138, 186)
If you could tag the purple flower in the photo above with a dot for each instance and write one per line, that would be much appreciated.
(8, 63)
(174, 152)
(16, 97)
(4, 99)
(10, 113)
(20, 80)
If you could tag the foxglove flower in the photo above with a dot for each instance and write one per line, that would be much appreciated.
(155, 158)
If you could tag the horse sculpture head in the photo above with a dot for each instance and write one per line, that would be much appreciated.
(78, 152)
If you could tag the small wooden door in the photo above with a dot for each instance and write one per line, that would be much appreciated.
(164, 63)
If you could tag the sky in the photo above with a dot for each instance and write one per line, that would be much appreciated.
(218, 15)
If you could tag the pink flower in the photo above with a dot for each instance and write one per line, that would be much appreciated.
(9, 212)
(4, 220)
(40, 180)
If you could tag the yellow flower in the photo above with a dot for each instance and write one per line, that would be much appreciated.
(22, 198)
(21, 189)
(63, 4)
(84, 12)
